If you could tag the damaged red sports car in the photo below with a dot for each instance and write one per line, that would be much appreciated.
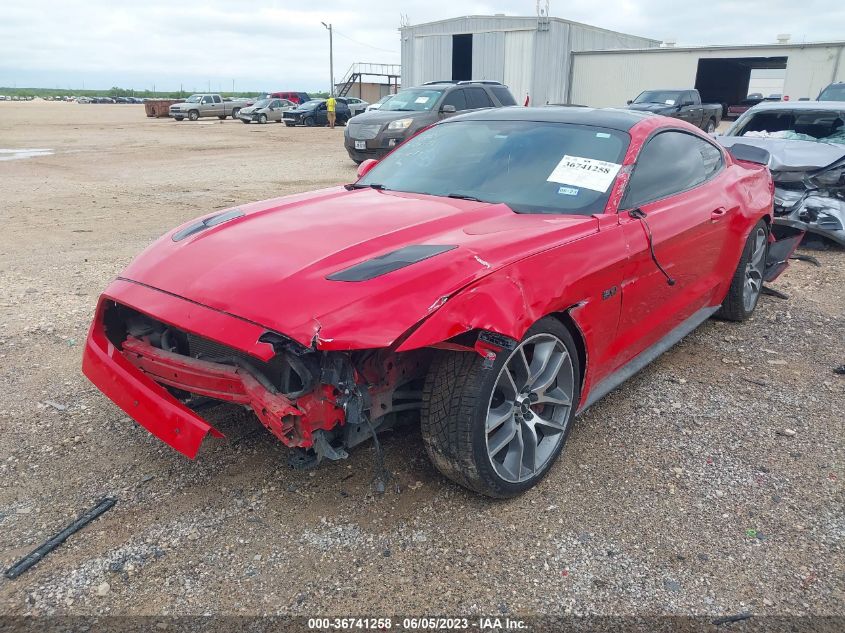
(493, 276)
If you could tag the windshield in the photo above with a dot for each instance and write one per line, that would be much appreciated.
(833, 93)
(261, 103)
(193, 99)
(825, 126)
(533, 167)
(666, 97)
(413, 100)
(309, 105)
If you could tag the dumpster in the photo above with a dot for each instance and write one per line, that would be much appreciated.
(159, 108)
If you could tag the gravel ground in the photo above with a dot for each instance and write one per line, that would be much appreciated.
(711, 483)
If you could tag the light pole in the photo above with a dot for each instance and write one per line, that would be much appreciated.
(331, 59)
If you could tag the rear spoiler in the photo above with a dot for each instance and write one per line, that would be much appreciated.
(749, 154)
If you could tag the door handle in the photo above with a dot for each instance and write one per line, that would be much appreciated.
(718, 214)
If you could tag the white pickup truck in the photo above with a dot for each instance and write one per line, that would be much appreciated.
(206, 105)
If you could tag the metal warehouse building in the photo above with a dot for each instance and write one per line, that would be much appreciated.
(720, 73)
(532, 55)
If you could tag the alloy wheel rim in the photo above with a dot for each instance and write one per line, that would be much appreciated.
(754, 272)
(528, 411)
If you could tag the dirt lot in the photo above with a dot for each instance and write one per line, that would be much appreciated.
(709, 484)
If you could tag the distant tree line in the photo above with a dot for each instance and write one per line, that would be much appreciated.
(115, 91)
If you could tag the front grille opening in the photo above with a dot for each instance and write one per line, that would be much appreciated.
(286, 373)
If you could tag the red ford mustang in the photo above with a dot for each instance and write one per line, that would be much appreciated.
(494, 276)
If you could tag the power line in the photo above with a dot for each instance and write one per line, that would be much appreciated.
(384, 50)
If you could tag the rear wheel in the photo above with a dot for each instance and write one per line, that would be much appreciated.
(711, 126)
(179, 118)
(498, 430)
(747, 282)
(235, 112)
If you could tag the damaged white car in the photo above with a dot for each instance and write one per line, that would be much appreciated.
(806, 144)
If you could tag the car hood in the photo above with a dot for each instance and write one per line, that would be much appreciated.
(270, 265)
(650, 107)
(787, 155)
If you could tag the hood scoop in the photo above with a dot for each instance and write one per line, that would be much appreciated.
(202, 225)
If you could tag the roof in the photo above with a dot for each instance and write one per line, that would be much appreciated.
(612, 118)
(517, 22)
(715, 47)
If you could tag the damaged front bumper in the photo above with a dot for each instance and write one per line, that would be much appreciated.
(156, 367)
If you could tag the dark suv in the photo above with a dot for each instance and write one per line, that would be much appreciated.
(374, 134)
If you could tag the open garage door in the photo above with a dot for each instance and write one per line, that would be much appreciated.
(725, 80)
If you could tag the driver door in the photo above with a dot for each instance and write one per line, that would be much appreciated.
(678, 183)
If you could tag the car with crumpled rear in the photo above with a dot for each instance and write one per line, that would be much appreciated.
(806, 145)
(375, 133)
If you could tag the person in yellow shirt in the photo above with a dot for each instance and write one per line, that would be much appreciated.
(331, 106)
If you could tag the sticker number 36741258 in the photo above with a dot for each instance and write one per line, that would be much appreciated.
(588, 173)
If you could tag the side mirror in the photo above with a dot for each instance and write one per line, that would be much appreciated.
(366, 166)
(448, 109)
(630, 101)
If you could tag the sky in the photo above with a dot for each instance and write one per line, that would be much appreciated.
(281, 45)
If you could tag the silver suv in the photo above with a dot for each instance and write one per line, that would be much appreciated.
(373, 134)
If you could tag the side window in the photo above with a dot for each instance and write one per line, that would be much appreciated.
(503, 95)
(456, 98)
(217, 99)
(206, 99)
(670, 163)
(478, 98)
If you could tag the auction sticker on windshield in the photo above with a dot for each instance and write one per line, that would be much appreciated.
(588, 173)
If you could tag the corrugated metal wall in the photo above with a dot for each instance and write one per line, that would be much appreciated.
(509, 49)
(488, 56)
(603, 79)
(432, 59)
(519, 62)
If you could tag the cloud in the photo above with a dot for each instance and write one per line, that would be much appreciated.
(266, 44)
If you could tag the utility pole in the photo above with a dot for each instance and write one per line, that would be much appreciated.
(331, 59)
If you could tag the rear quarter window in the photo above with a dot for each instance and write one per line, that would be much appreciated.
(503, 95)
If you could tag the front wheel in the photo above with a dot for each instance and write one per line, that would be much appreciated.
(179, 118)
(309, 122)
(222, 117)
(193, 115)
(498, 429)
(747, 281)
(262, 118)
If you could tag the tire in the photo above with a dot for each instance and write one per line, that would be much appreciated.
(461, 394)
(309, 122)
(711, 126)
(288, 124)
(747, 281)
(222, 117)
(245, 121)
(193, 115)
(179, 118)
(235, 112)
(262, 118)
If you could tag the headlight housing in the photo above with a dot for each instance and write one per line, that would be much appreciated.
(400, 124)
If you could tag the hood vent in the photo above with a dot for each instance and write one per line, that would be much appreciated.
(389, 262)
(202, 225)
